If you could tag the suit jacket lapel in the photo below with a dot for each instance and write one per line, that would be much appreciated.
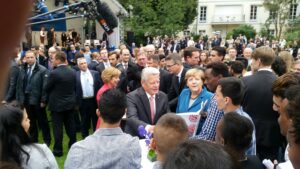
(182, 80)
(157, 108)
(146, 103)
(176, 83)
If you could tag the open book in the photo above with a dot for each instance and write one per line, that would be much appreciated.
(192, 119)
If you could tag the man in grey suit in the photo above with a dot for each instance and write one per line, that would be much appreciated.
(146, 104)
(108, 147)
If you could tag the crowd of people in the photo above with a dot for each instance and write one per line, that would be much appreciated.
(249, 96)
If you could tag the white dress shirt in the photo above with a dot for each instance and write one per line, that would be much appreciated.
(87, 84)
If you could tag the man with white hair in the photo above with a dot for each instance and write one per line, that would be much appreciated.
(247, 54)
(146, 104)
(51, 54)
(150, 50)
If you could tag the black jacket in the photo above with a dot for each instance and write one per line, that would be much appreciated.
(61, 89)
(97, 84)
(258, 103)
(37, 82)
(176, 89)
(11, 89)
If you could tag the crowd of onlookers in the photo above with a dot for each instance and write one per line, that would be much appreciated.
(248, 93)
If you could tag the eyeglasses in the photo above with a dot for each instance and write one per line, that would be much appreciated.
(168, 66)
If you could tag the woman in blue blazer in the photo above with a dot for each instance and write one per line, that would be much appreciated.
(192, 98)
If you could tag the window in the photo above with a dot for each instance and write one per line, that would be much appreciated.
(202, 32)
(293, 11)
(203, 10)
(253, 12)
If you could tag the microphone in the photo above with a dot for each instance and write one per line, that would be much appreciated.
(106, 17)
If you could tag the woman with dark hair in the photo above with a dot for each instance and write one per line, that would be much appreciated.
(16, 146)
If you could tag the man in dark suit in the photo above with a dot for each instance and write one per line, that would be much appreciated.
(41, 57)
(123, 66)
(165, 77)
(87, 85)
(146, 104)
(95, 61)
(11, 88)
(71, 55)
(175, 47)
(258, 103)
(62, 101)
(134, 71)
(191, 56)
(31, 93)
(175, 67)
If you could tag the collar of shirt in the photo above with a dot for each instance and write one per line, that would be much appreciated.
(148, 96)
(109, 131)
(95, 61)
(179, 74)
(266, 68)
(61, 65)
(84, 73)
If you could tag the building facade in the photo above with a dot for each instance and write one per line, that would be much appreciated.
(221, 16)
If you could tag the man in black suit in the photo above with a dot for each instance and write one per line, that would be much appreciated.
(165, 77)
(71, 55)
(134, 71)
(123, 66)
(87, 85)
(31, 93)
(62, 101)
(95, 61)
(191, 56)
(175, 67)
(41, 57)
(146, 104)
(11, 88)
(175, 47)
(258, 103)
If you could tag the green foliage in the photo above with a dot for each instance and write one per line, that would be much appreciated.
(159, 17)
(229, 35)
(246, 30)
(293, 31)
(280, 16)
(263, 32)
(195, 36)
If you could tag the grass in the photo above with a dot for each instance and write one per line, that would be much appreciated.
(60, 160)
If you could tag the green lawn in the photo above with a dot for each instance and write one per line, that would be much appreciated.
(60, 160)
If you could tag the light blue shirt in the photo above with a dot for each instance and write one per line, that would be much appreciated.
(88, 58)
(105, 149)
(252, 149)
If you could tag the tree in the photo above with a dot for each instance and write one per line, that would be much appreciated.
(293, 31)
(279, 14)
(246, 30)
(159, 17)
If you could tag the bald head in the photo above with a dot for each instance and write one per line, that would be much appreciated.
(247, 53)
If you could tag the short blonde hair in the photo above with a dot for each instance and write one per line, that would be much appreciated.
(109, 73)
(194, 73)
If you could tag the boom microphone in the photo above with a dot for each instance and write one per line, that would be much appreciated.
(106, 17)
